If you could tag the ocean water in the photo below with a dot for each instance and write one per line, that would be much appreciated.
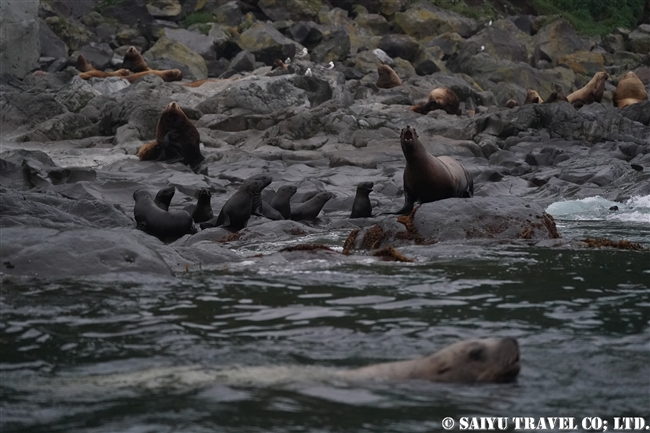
(252, 347)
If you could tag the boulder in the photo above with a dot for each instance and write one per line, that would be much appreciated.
(194, 41)
(19, 39)
(334, 47)
(639, 39)
(501, 40)
(583, 62)
(306, 33)
(76, 95)
(376, 23)
(295, 10)
(242, 62)
(51, 44)
(423, 19)
(556, 40)
(99, 55)
(228, 14)
(73, 35)
(266, 43)
(403, 46)
(166, 49)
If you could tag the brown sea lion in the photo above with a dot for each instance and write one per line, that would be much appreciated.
(199, 83)
(278, 63)
(532, 97)
(557, 95)
(441, 98)
(487, 360)
(83, 64)
(177, 139)
(428, 178)
(102, 74)
(511, 103)
(166, 75)
(134, 61)
(630, 90)
(591, 92)
(387, 77)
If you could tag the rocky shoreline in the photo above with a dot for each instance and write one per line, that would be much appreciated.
(69, 164)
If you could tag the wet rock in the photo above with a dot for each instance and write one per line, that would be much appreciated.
(19, 42)
(165, 49)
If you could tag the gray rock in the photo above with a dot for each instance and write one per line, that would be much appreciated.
(76, 95)
(19, 42)
(106, 86)
(243, 61)
(228, 14)
(99, 55)
(51, 44)
(639, 39)
(266, 43)
(195, 41)
(306, 33)
(402, 46)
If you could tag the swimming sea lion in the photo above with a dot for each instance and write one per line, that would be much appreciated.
(165, 225)
(487, 360)
(387, 77)
(164, 197)
(83, 64)
(310, 209)
(134, 61)
(94, 73)
(428, 178)
(202, 211)
(362, 208)
(630, 90)
(281, 201)
(532, 97)
(177, 139)
(238, 209)
(166, 75)
(440, 98)
(591, 92)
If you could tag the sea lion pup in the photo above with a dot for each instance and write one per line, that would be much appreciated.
(630, 90)
(469, 361)
(202, 210)
(428, 178)
(102, 74)
(134, 61)
(387, 77)
(165, 225)
(557, 95)
(164, 197)
(362, 208)
(591, 92)
(511, 103)
(310, 209)
(238, 209)
(177, 139)
(281, 201)
(83, 65)
(440, 98)
(278, 63)
(167, 75)
(532, 97)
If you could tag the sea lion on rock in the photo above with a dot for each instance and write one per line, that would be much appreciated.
(165, 225)
(630, 90)
(428, 178)
(532, 97)
(202, 211)
(387, 77)
(238, 209)
(469, 361)
(134, 61)
(177, 139)
(557, 95)
(511, 103)
(94, 73)
(167, 76)
(281, 201)
(310, 209)
(164, 197)
(440, 98)
(362, 208)
(83, 65)
(591, 92)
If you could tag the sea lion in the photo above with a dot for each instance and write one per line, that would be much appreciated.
(238, 209)
(630, 90)
(278, 63)
(134, 61)
(362, 208)
(310, 209)
(557, 95)
(591, 92)
(428, 178)
(469, 361)
(281, 201)
(165, 225)
(83, 65)
(167, 75)
(387, 77)
(270, 212)
(532, 97)
(511, 103)
(202, 210)
(177, 139)
(102, 74)
(199, 83)
(164, 197)
(440, 98)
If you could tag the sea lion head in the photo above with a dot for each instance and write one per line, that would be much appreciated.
(511, 103)
(173, 117)
(204, 194)
(408, 138)
(532, 97)
(134, 61)
(365, 187)
(287, 189)
(255, 184)
(83, 64)
(165, 195)
(488, 360)
(141, 194)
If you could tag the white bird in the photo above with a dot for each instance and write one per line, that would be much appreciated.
(490, 23)
(383, 57)
(303, 53)
(287, 61)
(308, 72)
(330, 65)
(482, 48)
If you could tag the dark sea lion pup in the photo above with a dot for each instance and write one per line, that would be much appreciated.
(238, 209)
(310, 209)
(282, 200)
(202, 210)
(428, 178)
(469, 361)
(164, 197)
(165, 225)
(362, 208)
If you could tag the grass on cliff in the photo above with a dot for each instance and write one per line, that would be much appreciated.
(198, 18)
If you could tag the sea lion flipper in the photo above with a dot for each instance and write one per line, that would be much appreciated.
(408, 205)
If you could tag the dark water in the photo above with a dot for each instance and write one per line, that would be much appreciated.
(251, 347)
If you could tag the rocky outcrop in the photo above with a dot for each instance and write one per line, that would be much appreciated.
(19, 40)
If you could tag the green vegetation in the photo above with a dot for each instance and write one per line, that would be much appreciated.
(198, 18)
(594, 17)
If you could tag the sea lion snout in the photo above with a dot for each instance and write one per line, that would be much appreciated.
(408, 134)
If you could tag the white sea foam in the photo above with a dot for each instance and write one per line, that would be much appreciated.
(636, 209)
